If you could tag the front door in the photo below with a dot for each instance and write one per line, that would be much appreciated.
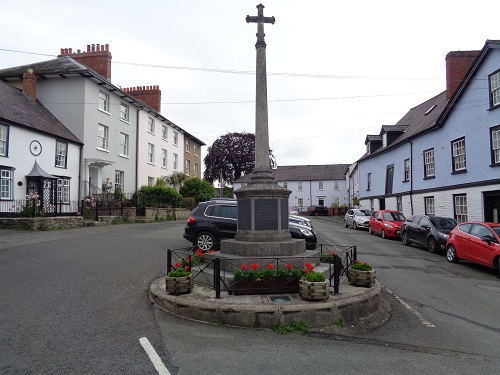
(492, 206)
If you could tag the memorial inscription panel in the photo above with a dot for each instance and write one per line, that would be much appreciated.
(266, 214)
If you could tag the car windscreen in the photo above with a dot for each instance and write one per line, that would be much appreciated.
(496, 229)
(394, 216)
(443, 222)
(362, 212)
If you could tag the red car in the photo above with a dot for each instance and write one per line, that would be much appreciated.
(477, 242)
(387, 223)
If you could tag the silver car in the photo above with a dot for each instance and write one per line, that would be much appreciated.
(301, 220)
(357, 218)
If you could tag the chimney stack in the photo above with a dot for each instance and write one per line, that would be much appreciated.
(151, 95)
(458, 64)
(97, 57)
(29, 85)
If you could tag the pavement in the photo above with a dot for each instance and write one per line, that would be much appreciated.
(353, 310)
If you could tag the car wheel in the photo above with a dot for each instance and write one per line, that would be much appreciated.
(404, 238)
(431, 245)
(205, 241)
(451, 254)
(384, 236)
(354, 226)
(345, 224)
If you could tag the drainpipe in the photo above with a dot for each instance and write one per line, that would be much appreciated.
(411, 177)
(137, 151)
(80, 197)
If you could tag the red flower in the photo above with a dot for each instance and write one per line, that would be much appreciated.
(332, 253)
(364, 262)
(306, 270)
(355, 261)
(270, 266)
(189, 258)
(243, 267)
(186, 267)
(255, 266)
(211, 251)
(176, 265)
(309, 266)
(289, 266)
(200, 253)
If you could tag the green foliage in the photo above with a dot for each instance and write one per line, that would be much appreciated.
(189, 203)
(328, 258)
(355, 201)
(269, 273)
(198, 189)
(296, 326)
(179, 272)
(176, 179)
(159, 196)
(314, 277)
(117, 220)
(160, 182)
(107, 186)
(341, 322)
(361, 266)
(119, 196)
(227, 192)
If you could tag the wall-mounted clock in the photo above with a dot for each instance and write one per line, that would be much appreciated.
(35, 148)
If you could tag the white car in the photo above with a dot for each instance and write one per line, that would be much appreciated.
(357, 218)
(301, 220)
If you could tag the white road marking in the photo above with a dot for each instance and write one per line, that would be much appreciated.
(411, 309)
(153, 356)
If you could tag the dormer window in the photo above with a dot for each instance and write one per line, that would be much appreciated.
(384, 140)
(368, 148)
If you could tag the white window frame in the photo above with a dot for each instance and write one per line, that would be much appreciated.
(429, 165)
(188, 146)
(407, 170)
(195, 169)
(460, 207)
(151, 153)
(188, 167)
(321, 185)
(458, 155)
(124, 112)
(61, 154)
(300, 202)
(176, 138)
(102, 137)
(299, 185)
(495, 89)
(4, 139)
(119, 178)
(6, 184)
(369, 181)
(430, 206)
(175, 161)
(336, 185)
(151, 181)
(103, 101)
(164, 158)
(63, 190)
(495, 145)
(151, 125)
(124, 144)
(164, 132)
(195, 150)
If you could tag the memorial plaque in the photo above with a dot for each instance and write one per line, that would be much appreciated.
(244, 214)
(266, 214)
(284, 213)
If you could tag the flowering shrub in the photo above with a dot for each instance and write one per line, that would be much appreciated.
(269, 273)
(361, 266)
(312, 276)
(32, 207)
(180, 271)
(107, 186)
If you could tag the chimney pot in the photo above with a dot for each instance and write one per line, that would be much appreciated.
(70, 51)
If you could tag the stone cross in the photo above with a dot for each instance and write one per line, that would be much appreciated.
(261, 126)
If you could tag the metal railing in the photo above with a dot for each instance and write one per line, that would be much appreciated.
(31, 208)
(215, 271)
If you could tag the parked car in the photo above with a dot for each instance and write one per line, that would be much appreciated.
(216, 220)
(430, 232)
(357, 218)
(387, 223)
(318, 210)
(477, 242)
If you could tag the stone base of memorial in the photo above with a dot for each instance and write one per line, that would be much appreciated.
(275, 286)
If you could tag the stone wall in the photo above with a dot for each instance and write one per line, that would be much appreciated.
(42, 223)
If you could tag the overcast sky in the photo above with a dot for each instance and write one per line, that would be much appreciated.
(337, 70)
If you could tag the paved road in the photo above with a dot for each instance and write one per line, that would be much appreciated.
(75, 302)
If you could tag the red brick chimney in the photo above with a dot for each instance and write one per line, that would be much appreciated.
(97, 57)
(458, 64)
(29, 85)
(151, 95)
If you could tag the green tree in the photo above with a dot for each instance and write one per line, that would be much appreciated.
(160, 196)
(176, 179)
(200, 190)
(232, 156)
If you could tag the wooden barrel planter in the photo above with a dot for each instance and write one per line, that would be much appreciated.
(361, 278)
(179, 285)
(314, 291)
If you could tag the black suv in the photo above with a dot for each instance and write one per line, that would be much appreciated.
(318, 210)
(217, 220)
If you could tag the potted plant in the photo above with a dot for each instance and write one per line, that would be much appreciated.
(328, 258)
(313, 286)
(180, 280)
(270, 280)
(361, 274)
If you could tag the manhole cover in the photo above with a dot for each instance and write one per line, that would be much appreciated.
(279, 298)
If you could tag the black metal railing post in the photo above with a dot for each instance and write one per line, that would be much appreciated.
(96, 211)
(336, 274)
(217, 277)
(354, 253)
(169, 260)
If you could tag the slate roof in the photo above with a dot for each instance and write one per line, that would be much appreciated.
(65, 66)
(306, 173)
(17, 109)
